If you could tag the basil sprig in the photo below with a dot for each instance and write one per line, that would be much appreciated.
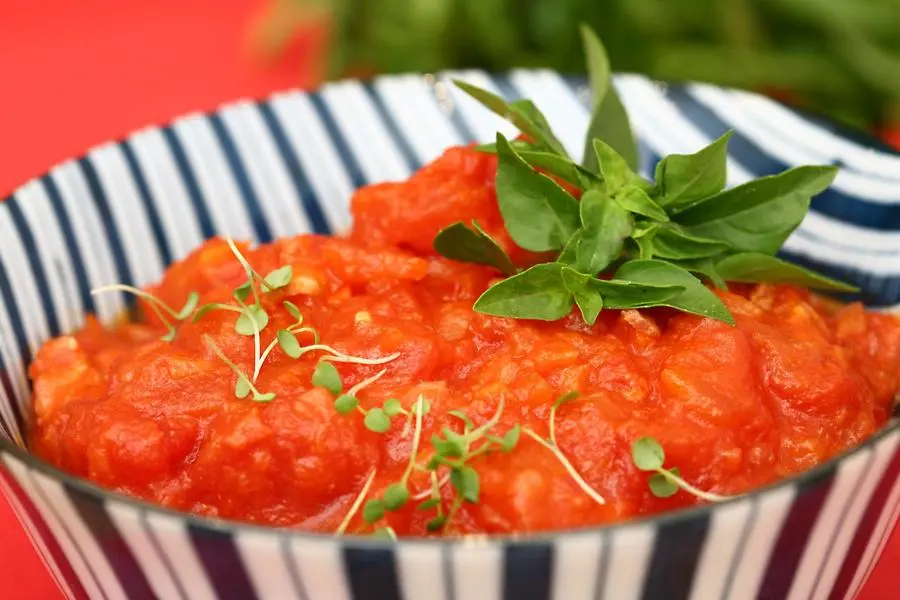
(628, 242)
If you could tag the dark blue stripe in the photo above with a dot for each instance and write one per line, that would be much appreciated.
(865, 531)
(507, 90)
(528, 572)
(676, 554)
(455, 115)
(114, 547)
(838, 205)
(153, 218)
(294, 574)
(792, 539)
(222, 564)
(351, 165)
(603, 568)
(76, 261)
(10, 393)
(400, 140)
(311, 205)
(190, 182)
(15, 316)
(236, 165)
(37, 266)
(738, 559)
(98, 195)
(371, 573)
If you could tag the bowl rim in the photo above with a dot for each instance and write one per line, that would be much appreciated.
(229, 526)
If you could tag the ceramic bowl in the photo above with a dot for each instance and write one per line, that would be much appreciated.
(288, 164)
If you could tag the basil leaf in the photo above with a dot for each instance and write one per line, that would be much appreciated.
(537, 293)
(569, 254)
(753, 267)
(619, 294)
(706, 267)
(561, 167)
(606, 225)
(458, 242)
(589, 302)
(612, 167)
(685, 178)
(609, 120)
(518, 145)
(522, 113)
(634, 199)
(759, 215)
(644, 246)
(538, 213)
(696, 298)
(673, 242)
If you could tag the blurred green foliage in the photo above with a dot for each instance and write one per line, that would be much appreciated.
(839, 57)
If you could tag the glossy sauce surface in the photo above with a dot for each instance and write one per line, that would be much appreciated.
(796, 382)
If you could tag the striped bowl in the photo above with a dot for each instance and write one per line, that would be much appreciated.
(288, 164)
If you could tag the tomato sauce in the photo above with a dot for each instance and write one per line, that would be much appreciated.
(794, 383)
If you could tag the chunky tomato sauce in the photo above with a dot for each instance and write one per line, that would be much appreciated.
(796, 382)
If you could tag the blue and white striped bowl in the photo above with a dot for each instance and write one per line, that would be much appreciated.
(260, 170)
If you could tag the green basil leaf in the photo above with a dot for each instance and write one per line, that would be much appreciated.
(609, 120)
(620, 294)
(704, 266)
(589, 301)
(518, 145)
(561, 167)
(522, 113)
(458, 242)
(538, 213)
(685, 178)
(612, 167)
(644, 246)
(753, 267)
(673, 242)
(632, 198)
(696, 298)
(569, 254)
(759, 215)
(606, 225)
(537, 293)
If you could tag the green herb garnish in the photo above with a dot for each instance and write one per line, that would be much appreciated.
(628, 242)
(648, 455)
(166, 313)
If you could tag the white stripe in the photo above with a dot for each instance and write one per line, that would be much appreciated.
(55, 493)
(128, 523)
(779, 145)
(168, 191)
(848, 528)
(318, 157)
(128, 214)
(369, 140)
(568, 118)
(8, 419)
(266, 170)
(483, 123)
(36, 539)
(215, 178)
(90, 238)
(860, 157)
(15, 369)
(169, 532)
(54, 255)
(846, 481)
(321, 568)
(576, 560)
(22, 281)
(771, 510)
(477, 569)
(425, 127)
(420, 571)
(882, 530)
(631, 549)
(265, 564)
(719, 550)
(79, 566)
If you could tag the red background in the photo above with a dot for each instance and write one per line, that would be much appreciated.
(78, 74)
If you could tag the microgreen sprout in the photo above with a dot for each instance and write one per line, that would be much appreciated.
(326, 376)
(354, 508)
(244, 384)
(157, 306)
(552, 445)
(648, 455)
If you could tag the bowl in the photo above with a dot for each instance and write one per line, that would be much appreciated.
(288, 164)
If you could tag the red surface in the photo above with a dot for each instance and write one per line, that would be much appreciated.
(77, 74)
